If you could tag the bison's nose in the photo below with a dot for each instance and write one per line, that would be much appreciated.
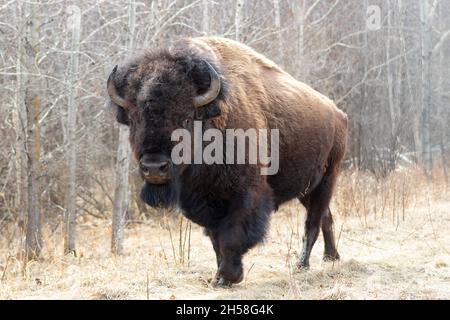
(155, 167)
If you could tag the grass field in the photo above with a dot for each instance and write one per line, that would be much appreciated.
(393, 237)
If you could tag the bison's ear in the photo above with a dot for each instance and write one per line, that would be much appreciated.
(119, 112)
(197, 71)
(200, 75)
(122, 116)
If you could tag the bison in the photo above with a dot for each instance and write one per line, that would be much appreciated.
(225, 84)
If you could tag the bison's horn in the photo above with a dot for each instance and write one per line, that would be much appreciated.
(213, 91)
(112, 91)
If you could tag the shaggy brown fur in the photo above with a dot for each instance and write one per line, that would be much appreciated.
(233, 202)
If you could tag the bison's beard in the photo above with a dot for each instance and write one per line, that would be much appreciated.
(160, 195)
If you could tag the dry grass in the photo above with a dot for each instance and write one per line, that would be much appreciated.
(393, 234)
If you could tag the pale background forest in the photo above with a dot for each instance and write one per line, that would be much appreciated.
(64, 160)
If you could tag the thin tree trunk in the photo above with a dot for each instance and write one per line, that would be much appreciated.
(71, 193)
(394, 78)
(121, 198)
(362, 116)
(19, 121)
(32, 144)
(441, 104)
(299, 12)
(276, 6)
(205, 20)
(390, 80)
(426, 35)
(238, 19)
(34, 234)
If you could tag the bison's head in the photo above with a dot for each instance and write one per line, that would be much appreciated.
(154, 95)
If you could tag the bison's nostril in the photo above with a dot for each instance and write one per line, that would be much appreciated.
(164, 167)
(154, 168)
(143, 167)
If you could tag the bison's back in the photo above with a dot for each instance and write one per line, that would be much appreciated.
(312, 134)
(261, 95)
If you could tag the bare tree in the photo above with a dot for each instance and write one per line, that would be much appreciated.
(121, 198)
(74, 25)
(299, 13)
(393, 74)
(19, 121)
(276, 6)
(238, 19)
(439, 49)
(32, 140)
(205, 20)
(426, 45)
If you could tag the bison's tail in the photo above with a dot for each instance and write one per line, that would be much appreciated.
(340, 141)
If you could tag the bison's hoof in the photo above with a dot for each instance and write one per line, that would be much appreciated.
(225, 282)
(303, 265)
(331, 257)
(221, 283)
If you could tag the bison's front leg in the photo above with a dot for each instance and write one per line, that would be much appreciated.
(229, 257)
(240, 230)
(215, 242)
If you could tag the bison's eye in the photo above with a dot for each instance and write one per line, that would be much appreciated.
(187, 123)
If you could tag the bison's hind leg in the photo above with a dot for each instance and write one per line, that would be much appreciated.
(319, 215)
(330, 253)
